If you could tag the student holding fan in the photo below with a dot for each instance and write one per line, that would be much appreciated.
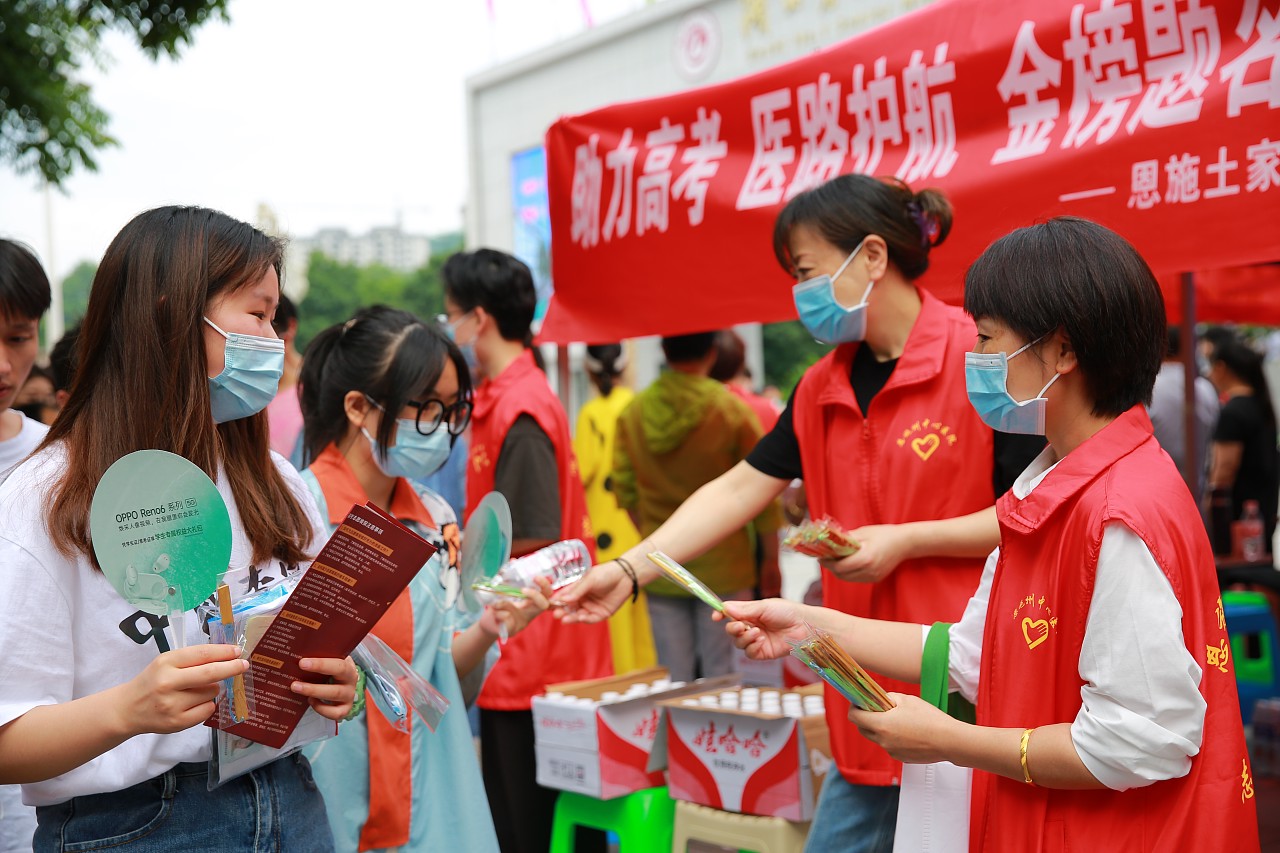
(101, 722)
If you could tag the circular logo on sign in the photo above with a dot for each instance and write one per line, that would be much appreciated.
(697, 46)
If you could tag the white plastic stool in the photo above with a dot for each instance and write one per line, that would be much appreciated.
(728, 829)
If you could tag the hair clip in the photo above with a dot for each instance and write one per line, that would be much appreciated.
(928, 225)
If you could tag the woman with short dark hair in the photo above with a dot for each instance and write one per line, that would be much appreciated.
(886, 442)
(1244, 465)
(1095, 647)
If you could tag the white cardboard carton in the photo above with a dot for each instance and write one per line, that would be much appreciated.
(743, 761)
(600, 747)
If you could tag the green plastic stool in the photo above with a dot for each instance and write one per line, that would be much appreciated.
(643, 821)
(1256, 664)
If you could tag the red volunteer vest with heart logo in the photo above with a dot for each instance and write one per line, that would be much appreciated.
(1035, 627)
(548, 651)
(919, 453)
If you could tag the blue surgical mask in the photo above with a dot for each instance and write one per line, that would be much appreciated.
(468, 349)
(251, 371)
(414, 455)
(986, 378)
(826, 319)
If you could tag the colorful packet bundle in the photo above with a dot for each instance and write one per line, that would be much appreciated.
(681, 576)
(834, 665)
(823, 539)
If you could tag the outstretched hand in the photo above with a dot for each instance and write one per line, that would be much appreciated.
(595, 597)
(762, 628)
(514, 615)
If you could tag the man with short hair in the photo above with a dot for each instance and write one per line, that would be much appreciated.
(24, 297)
(520, 447)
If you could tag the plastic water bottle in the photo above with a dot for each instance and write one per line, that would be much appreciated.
(1251, 530)
(561, 563)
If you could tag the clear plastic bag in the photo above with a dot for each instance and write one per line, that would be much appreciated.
(396, 688)
(822, 654)
(233, 755)
(824, 539)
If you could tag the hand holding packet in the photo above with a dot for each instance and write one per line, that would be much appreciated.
(834, 665)
(823, 539)
(323, 612)
(681, 576)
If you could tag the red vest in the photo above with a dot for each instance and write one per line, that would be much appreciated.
(1035, 626)
(548, 651)
(919, 453)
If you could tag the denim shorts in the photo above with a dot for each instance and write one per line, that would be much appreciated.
(274, 809)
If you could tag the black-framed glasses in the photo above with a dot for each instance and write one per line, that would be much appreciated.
(432, 413)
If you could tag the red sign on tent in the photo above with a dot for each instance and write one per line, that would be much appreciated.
(1158, 118)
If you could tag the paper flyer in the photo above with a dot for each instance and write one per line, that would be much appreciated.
(364, 566)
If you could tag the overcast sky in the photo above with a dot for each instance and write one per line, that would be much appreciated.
(332, 113)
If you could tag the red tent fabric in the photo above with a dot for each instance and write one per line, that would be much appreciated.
(1158, 118)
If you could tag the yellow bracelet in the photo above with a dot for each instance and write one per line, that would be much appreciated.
(1022, 754)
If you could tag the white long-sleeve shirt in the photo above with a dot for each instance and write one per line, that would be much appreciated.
(1141, 716)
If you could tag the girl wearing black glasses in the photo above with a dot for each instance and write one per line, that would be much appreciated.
(384, 397)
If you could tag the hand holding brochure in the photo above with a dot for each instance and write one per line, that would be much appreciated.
(365, 565)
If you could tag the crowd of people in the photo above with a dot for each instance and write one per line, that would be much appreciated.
(995, 462)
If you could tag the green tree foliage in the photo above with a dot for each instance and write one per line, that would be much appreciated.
(49, 121)
(75, 292)
(337, 290)
(789, 350)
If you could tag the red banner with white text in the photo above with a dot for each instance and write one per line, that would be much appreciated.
(1158, 118)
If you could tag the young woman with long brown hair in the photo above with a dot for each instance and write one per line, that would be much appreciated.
(99, 719)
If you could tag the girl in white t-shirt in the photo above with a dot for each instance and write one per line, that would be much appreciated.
(100, 721)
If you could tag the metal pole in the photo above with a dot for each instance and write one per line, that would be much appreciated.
(1193, 462)
(54, 325)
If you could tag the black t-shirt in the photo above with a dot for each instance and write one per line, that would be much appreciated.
(778, 453)
(528, 478)
(1243, 419)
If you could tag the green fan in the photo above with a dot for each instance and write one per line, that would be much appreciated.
(486, 546)
(161, 533)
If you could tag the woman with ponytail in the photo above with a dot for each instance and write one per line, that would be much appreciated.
(882, 433)
(629, 629)
(384, 397)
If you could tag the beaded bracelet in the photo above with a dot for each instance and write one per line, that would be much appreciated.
(357, 706)
(631, 573)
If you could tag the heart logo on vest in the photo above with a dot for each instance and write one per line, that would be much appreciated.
(1034, 631)
(925, 447)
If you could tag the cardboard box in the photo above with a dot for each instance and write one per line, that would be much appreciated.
(600, 747)
(743, 761)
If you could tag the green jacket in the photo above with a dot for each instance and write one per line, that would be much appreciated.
(678, 434)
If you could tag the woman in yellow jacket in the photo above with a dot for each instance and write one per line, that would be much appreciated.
(629, 630)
